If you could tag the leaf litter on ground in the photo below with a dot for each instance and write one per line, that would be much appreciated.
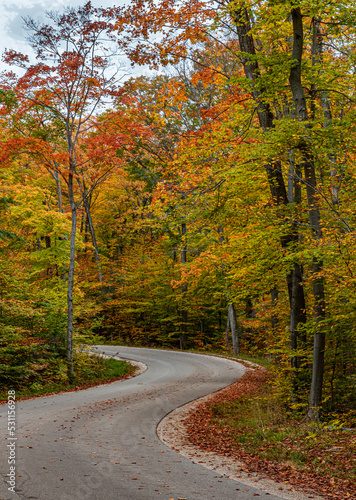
(235, 423)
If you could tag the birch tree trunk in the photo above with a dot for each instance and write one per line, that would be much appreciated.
(55, 175)
(70, 369)
(234, 332)
(59, 191)
(184, 313)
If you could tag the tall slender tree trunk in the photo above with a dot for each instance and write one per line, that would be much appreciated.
(184, 313)
(93, 239)
(274, 302)
(59, 191)
(315, 396)
(336, 175)
(295, 82)
(55, 175)
(234, 330)
(297, 298)
(70, 368)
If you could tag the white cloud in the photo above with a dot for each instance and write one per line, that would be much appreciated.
(13, 35)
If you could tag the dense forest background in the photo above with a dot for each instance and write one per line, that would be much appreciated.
(211, 206)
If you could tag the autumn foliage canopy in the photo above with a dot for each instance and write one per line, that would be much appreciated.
(210, 204)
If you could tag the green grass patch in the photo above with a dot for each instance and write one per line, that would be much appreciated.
(89, 371)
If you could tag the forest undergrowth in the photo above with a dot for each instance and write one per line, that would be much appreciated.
(249, 422)
(46, 378)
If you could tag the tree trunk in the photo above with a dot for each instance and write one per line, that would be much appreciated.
(274, 302)
(55, 175)
(298, 315)
(59, 191)
(317, 51)
(93, 239)
(234, 332)
(70, 369)
(184, 314)
(296, 87)
(316, 388)
(297, 299)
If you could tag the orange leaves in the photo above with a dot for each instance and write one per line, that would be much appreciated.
(206, 76)
(174, 91)
(179, 23)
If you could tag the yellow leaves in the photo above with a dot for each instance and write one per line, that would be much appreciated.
(157, 120)
(36, 209)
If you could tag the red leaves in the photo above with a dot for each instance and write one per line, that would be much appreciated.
(15, 58)
(178, 22)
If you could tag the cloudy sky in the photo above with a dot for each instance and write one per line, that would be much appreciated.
(12, 34)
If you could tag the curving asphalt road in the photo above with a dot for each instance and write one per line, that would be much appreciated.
(101, 443)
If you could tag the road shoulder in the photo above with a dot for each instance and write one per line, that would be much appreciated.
(172, 432)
